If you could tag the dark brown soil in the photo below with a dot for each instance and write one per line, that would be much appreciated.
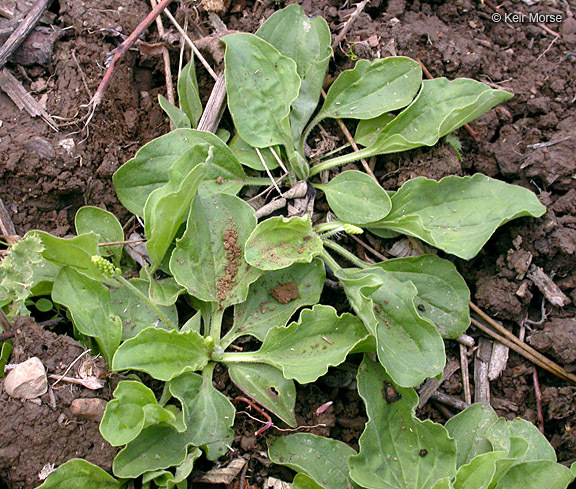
(44, 179)
(35, 435)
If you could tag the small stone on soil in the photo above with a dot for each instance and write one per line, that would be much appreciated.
(27, 380)
(91, 408)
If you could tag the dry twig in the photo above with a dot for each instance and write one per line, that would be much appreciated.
(546, 285)
(431, 385)
(117, 55)
(191, 44)
(23, 100)
(523, 349)
(166, 58)
(349, 23)
(465, 374)
(7, 229)
(481, 365)
(538, 399)
(450, 401)
(22, 31)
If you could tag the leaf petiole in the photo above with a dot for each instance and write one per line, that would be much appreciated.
(340, 160)
(257, 182)
(329, 260)
(344, 253)
(216, 324)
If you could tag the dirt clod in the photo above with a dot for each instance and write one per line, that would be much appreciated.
(233, 260)
(285, 293)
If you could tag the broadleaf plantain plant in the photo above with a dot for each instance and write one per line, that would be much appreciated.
(205, 243)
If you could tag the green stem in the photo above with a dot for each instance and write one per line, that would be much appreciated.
(239, 357)
(346, 254)
(333, 264)
(341, 160)
(298, 163)
(329, 234)
(216, 324)
(207, 373)
(329, 226)
(250, 181)
(146, 299)
(330, 153)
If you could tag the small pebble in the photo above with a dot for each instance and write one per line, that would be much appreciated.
(90, 409)
(27, 380)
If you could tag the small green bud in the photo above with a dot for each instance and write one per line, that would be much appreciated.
(209, 342)
(105, 266)
(351, 229)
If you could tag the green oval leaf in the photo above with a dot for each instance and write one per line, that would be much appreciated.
(164, 292)
(209, 259)
(208, 413)
(539, 447)
(103, 223)
(188, 94)
(536, 475)
(397, 450)
(75, 252)
(79, 474)
(367, 130)
(248, 156)
(44, 305)
(443, 295)
(267, 386)
(177, 117)
(356, 198)
(324, 460)
(457, 214)
(208, 416)
(479, 472)
(302, 481)
(133, 408)
(305, 350)
(167, 479)
(156, 447)
(306, 40)
(136, 179)
(372, 88)
(441, 107)
(167, 206)
(88, 302)
(469, 429)
(162, 354)
(261, 85)
(275, 297)
(137, 315)
(279, 242)
(408, 346)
